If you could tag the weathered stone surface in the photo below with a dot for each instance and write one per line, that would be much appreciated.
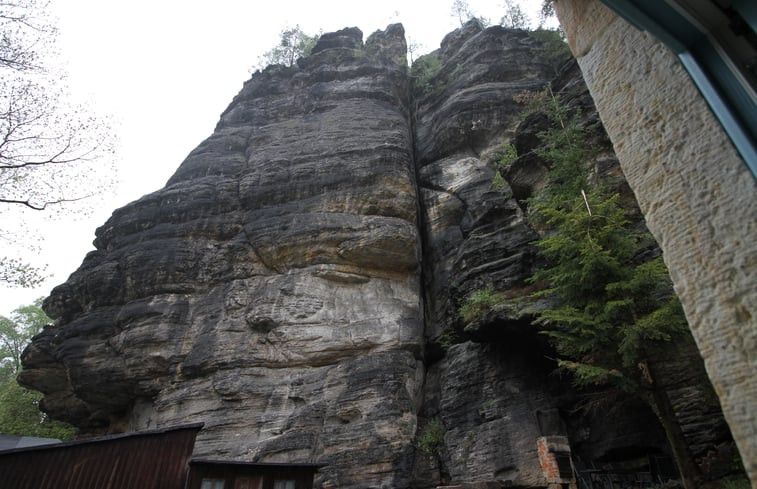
(271, 290)
(469, 104)
(474, 236)
(489, 401)
(276, 288)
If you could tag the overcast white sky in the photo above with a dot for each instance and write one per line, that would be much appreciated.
(164, 70)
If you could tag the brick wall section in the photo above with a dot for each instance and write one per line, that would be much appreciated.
(546, 447)
(698, 196)
(547, 460)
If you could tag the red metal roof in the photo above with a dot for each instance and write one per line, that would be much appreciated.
(155, 459)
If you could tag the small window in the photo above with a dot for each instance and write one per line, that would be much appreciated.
(283, 484)
(247, 483)
(213, 484)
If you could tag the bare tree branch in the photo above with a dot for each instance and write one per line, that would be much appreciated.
(42, 206)
(51, 151)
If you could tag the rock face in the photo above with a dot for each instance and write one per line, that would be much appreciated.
(296, 284)
(271, 289)
(473, 235)
(477, 237)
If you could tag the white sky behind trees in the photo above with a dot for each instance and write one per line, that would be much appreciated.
(164, 70)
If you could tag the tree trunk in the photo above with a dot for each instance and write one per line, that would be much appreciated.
(688, 469)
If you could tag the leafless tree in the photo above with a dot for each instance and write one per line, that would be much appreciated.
(515, 17)
(461, 10)
(51, 152)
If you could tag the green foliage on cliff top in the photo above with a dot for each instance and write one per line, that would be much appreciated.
(423, 70)
(293, 44)
(552, 50)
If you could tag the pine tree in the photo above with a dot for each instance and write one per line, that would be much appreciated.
(609, 312)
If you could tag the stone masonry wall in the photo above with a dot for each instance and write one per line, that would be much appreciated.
(697, 195)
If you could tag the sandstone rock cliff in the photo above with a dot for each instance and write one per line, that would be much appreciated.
(271, 289)
(296, 284)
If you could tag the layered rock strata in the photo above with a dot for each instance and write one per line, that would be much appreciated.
(477, 237)
(277, 289)
(474, 235)
(271, 289)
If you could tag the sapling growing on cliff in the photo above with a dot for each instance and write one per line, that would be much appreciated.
(293, 44)
(461, 10)
(464, 13)
(610, 314)
(478, 303)
(430, 440)
(507, 154)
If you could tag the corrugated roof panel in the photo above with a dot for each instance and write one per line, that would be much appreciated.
(8, 442)
(156, 459)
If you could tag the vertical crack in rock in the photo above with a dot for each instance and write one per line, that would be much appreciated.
(271, 289)
(474, 237)
(276, 289)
